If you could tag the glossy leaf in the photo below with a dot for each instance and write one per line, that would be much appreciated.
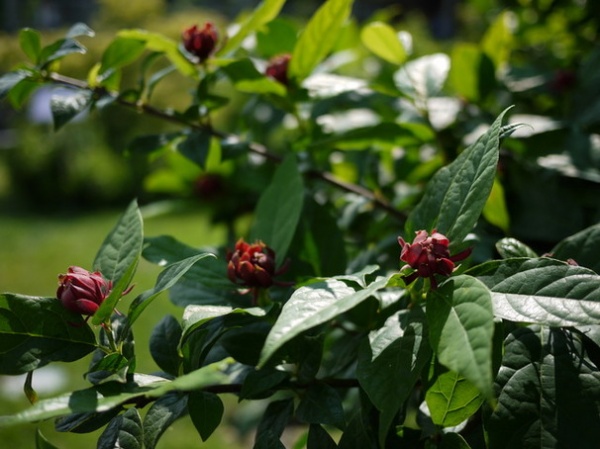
(85, 422)
(266, 11)
(542, 290)
(582, 247)
(548, 392)
(461, 326)
(10, 80)
(424, 77)
(66, 107)
(279, 209)
(311, 306)
(35, 331)
(381, 39)
(164, 412)
(321, 404)
(164, 341)
(31, 43)
(318, 38)
(457, 193)
(206, 411)
(58, 50)
(125, 431)
(452, 399)
(510, 247)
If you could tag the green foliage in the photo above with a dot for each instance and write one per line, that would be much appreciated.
(320, 170)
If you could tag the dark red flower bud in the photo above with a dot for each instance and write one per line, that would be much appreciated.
(429, 255)
(200, 42)
(278, 68)
(82, 291)
(251, 265)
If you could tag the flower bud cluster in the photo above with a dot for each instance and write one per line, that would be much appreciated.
(200, 42)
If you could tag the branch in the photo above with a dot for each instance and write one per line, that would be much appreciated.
(254, 147)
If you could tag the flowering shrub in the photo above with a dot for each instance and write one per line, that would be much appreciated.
(365, 344)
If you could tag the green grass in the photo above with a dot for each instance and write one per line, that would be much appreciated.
(34, 250)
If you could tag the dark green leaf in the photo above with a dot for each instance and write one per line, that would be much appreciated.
(260, 383)
(453, 441)
(456, 195)
(31, 44)
(461, 327)
(279, 209)
(510, 247)
(319, 37)
(452, 399)
(548, 393)
(164, 412)
(41, 442)
(123, 432)
(318, 438)
(311, 306)
(545, 291)
(266, 11)
(152, 143)
(321, 404)
(582, 247)
(85, 422)
(164, 343)
(10, 80)
(276, 417)
(206, 411)
(35, 331)
(66, 107)
(195, 146)
(383, 40)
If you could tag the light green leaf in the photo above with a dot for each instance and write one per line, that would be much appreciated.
(246, 78)
(264, 13)
(457, 193)
(164, 412)
(471, 73)
(279, 209)
(206, 411)
(41, 442)
(424, 77)
(542, 290)
(382, 40)
(35, 331)
(66, 107)
(499, 40)
(461, 327)
(311, 306)
(452, 399)
(495, 210)
(120, 52)
(582, 247)
(318, 38)
(30, 41)
(510, 247)
(10, 80)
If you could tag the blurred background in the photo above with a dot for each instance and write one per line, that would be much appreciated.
(61, 192)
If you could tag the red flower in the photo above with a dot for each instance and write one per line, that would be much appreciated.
(278, 68)
(429, 255)
(200, 42)
(253, 265)
(82, 291)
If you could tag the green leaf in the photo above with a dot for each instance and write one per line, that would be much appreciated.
(41, 442)
(452, 399)
(152, 143)
(164, 342)
(107, 307)
(548, 392)
(10, 80)
(195, 146)
(457, 193)
(318, 438)
(120, 52)
(318, 38)
(166, 279)
(35, 331)
(423, 78)
(161, 43)
(321, 404)
(31, 43)
(66, 107)
(279, 209)
(582, 247)
(453, 441)
(111, 367)
(125, 431)
(85, 422)
(276, 418)
(123, 245)
(206, 411)
(382, 40)
(58, 50)
(495, 210)
(542, 290)
(311, 306)
(499, 40)
(472, 72)
(461, 327)
(510, 247)
(113, 394)
(266, 11)
(80, 29)
(164, 412)
(259, 383)
(246, 78)
(400, 347)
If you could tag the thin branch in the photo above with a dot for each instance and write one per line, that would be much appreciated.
(253, 147)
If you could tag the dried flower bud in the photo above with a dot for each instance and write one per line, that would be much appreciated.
(278, 68)
(429, 255)
(200, 42)
(82, 291)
